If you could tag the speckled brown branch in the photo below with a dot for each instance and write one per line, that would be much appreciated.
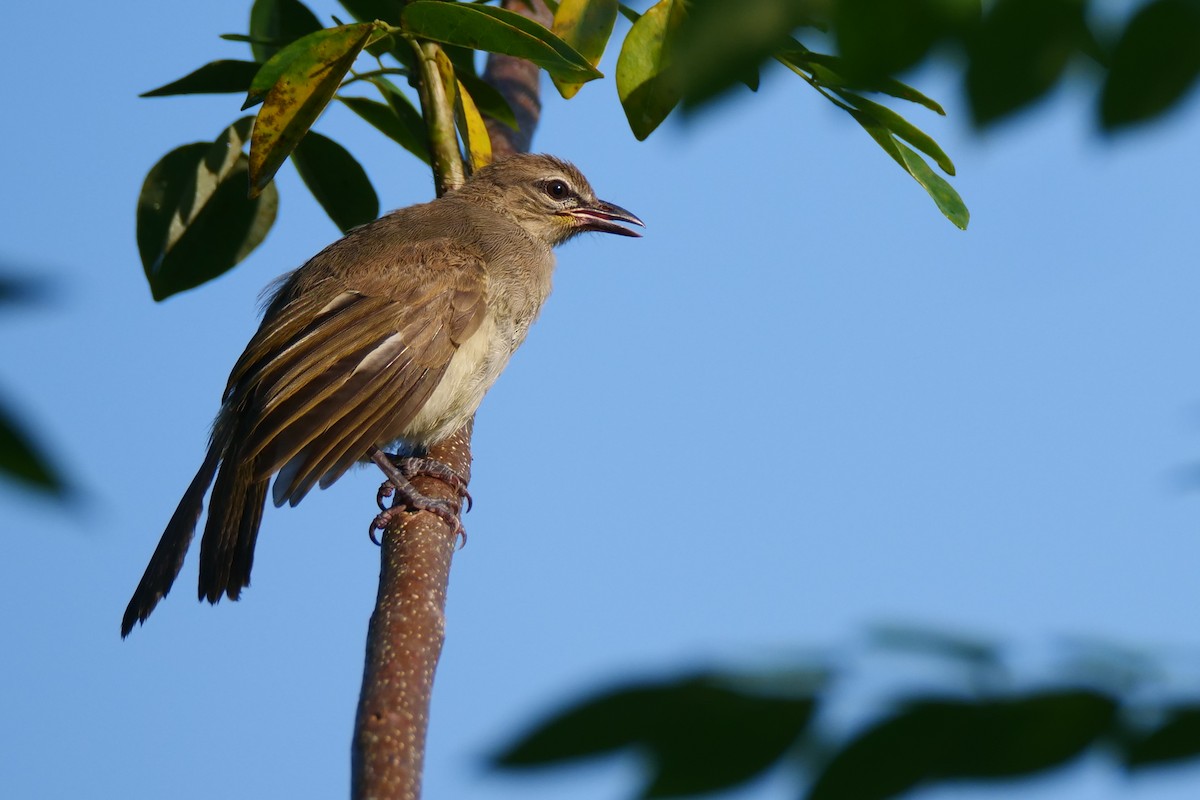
(407, 628)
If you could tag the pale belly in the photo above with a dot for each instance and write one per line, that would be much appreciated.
(471, 372)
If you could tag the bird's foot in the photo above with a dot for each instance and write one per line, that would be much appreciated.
(412, 466)
(446, 509)
(406, 496)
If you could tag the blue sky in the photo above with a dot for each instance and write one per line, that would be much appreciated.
(804, 403)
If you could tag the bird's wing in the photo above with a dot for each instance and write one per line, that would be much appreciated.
(322, 383)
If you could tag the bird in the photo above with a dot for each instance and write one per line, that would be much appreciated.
(385, 341)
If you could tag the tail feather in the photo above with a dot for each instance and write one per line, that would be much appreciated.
(168, 557)
(227, 547)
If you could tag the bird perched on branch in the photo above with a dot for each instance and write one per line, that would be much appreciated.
(387, 339)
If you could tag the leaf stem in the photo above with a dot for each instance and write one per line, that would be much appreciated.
(444, 152)
(375, 73)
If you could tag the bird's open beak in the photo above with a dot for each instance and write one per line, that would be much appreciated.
(603, 217)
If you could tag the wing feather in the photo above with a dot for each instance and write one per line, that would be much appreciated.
(330, 373)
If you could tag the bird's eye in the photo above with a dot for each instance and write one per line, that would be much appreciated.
(557, 189)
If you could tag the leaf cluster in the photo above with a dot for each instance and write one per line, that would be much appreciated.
(196, 221)
(712, 731)
(193, 226)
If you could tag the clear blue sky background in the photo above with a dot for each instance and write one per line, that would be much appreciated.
(802, 404)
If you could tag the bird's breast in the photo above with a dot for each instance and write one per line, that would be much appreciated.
(472, 370)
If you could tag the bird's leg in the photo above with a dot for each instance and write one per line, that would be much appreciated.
(409, 498)
(412, 466)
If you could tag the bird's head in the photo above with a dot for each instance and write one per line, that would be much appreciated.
(547, 197)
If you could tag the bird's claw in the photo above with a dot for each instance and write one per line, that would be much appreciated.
(447, 510)
(406, 496)
(415, 466)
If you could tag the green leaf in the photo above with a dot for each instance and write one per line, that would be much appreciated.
(893, 756)
(497, 31)
(1176, 739)
(304, 77)
(935, 740)
(944, 196)
(646, 83)
(194, 220)
(1019, 52)
(394, 121)
(216, 77)
(942, 193)
(901, 127)
(337, 180)
(700, 734)
(23, 462)
(1026, 735)
(832, 72)
(720, 44)
(585, 25)
(275, 24)
(879, 38)
(1154, 64)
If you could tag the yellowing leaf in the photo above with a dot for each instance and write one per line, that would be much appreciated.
(473, 130)
(586, 25)
(303, 78)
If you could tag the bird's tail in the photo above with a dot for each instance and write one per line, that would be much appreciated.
(234, 513)
(167, 560)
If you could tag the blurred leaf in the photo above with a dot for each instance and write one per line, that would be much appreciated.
(337, 180)
(831, 71)
(194, 220)
(720, 44)
(21, 461)
(1025, 735)
(878, 38)
(1155, 62)
(496, 30)
(700, 734)
(646, 83)
(21, 291)
(306, 74)
(893, 756)
(394, 121)
(936, 740)
(1019, 52)
(934, 642)
(1176, 739)
(275, 24)
(585, 25)
(901, 128)
(942, 193)
(470, 125)
(216, 77)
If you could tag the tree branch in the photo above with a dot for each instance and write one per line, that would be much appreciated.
(407, 629)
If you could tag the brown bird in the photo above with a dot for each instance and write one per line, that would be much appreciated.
(388, 339)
